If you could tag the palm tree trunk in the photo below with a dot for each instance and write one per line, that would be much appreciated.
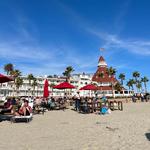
(13, 94)
(145, 87)
(113, 92)
(34, 91)
(37, 91)
(68, 80)
(129, 90)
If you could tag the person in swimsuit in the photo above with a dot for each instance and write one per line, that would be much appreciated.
(25, 110)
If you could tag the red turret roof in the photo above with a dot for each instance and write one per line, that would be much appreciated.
(102, 69)
(101, 59)
(105, 78)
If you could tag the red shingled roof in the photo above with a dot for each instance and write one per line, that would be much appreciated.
(105, 78)
(104, 88)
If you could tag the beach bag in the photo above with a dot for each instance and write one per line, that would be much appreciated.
(104, 110)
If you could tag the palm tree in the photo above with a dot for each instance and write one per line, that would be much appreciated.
(111, 72)
(8, 68)
(30, 77)
(132, 82)
(34, 84)
(118, 86)
(49, 76)
(122, 77)
(136, 75)
(145, 80)
(67, 73)
(129, 86)
(139, 85)
(18, 83)
(15, 74)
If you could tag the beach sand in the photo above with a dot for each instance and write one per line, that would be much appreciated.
(68, 130)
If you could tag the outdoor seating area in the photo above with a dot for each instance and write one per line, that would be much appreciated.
(90, 105)
(40, 105)
(22, 109)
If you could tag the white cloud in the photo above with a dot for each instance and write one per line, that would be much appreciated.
(140, 47)
(19, 51)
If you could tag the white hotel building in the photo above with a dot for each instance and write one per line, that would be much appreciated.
(78, 80)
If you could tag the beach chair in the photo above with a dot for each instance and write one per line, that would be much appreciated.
(22, 118)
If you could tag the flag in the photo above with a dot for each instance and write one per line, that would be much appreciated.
(102, 49)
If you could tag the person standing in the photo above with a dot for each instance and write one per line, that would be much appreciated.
(77, 101)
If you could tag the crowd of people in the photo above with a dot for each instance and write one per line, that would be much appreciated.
(90, 104)
(24, 106)
(142, 97)
(17, 107)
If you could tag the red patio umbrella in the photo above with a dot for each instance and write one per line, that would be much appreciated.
(4, 78)
(64, 85)
(46, 91)
(89, 87)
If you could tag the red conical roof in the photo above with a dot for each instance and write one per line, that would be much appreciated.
(101, 59)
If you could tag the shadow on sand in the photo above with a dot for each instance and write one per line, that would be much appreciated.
(147, 136)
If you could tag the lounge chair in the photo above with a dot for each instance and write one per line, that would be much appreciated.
(22, 118)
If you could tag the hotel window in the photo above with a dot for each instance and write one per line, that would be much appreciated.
(125, 92)
(116, 92)
(110, 92)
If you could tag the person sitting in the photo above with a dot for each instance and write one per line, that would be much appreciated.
(105, 110)
(104, 98)
(85, 106)
(13, 101)
(25, 110)
(51, 103)
(8, 107)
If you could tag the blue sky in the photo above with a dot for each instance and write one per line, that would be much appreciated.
(45, 36)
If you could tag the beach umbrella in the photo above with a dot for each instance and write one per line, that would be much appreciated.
(46, 91)
(89, 87)
(64, 85)
(4, 78)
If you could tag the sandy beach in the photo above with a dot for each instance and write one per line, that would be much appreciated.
(69, 130)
